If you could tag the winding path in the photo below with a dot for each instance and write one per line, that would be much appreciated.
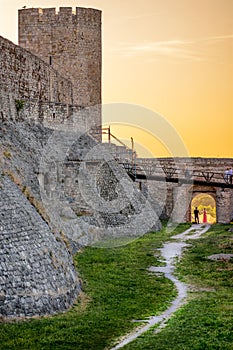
(169, 252)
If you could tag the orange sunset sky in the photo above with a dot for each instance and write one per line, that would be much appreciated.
(173, 57)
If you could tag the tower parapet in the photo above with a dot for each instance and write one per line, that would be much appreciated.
(71, 43)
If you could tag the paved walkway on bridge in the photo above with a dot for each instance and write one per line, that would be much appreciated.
(169, 252)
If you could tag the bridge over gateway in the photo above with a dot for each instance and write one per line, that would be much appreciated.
(173, 183)
(185, 178)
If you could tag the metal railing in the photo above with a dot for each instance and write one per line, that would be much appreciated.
(111, 137)
(172, 174)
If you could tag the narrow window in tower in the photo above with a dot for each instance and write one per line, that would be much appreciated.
(50, 60)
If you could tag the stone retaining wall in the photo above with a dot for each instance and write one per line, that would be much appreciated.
(37, 272)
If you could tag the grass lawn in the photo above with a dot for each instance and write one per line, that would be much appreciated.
(206, 321)
(116, 289)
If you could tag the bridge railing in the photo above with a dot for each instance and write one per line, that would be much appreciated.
(212, 176)
(167, 173)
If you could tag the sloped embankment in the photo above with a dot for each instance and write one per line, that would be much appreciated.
(37, 272)
(21, 145)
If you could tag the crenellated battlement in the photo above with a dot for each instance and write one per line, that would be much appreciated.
(48, 15)
(88, 15)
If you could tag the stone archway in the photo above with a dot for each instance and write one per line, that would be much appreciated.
(201, 190)
(179, 199)
(201, 201)
(223, 199)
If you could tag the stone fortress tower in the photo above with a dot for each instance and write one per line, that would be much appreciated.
(71, 44)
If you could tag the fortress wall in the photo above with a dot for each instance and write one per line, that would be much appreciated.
(37, 272)
(28, 77)
(207, 164)
(224, 205)
(25, 76)
(46, 94)
(7, 103)
(51, 113)
(68, 45)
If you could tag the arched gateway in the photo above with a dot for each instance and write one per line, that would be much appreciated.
(179, 202)
(223, 199)
(185, 178)
(181, 209)
(203, 200)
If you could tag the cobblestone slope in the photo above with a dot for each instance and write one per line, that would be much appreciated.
(37, 272)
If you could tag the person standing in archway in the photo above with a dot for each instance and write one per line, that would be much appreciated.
(204, 216)
(196, 215)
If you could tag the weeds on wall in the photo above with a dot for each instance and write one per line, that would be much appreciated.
(19, 105)
(7, 154)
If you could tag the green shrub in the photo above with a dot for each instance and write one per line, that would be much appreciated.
(19, 104)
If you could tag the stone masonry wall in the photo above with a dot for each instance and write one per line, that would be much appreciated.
(37, 272)
(21, 148)
(224, 205)
(206, 164)
(25, 76)
(69, 42)
(224, 198)
(46, 95)
(64, 79)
